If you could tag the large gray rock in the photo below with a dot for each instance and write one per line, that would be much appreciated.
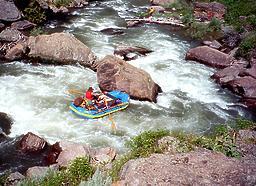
(38, 172)
(10, 35)
(209, 56)
(61, 48)
(8, 11)
(22, 25)
(71, 151)
(116, 74)
(104, 155)
(202, 167)
(13, 179)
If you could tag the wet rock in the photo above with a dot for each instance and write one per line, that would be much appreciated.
(104, 155)
(71, 151)
(10, 35)
(38, 172)
(133, 23)
(14, 178)
(8, 11)
(163, 2)
(201, 167)
(226, 75)
(209, 56)
(5, 123)
(61, 48)
(116, 74)
(113, 31)
(53, 153)
(16, 52)
(31, 143)
(22, 25)
(250, 103)
(243, 86)
(1, 26)
(213, 44)
(206, 11)
(125, 51)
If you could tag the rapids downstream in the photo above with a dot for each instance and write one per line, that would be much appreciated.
(37, 96)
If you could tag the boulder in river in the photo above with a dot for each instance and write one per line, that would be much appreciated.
(209, 56)
(5, 125)
(31, 143)
(61, 48)
(8, 11)
(113, 31)
(125, 51)
(114, 73)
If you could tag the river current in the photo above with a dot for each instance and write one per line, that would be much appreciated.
(37, 96)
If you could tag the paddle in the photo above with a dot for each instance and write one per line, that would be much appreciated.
(113, 125)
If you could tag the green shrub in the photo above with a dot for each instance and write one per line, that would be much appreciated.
(36, 31)
(98, 179)
(80, 169)
(247, 45)
(34, 13)
(146, 143)
(59, 3)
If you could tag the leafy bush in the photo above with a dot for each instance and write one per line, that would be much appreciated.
(98, 179)
(36, 31)
(59, 3)
(34, 13)
(79, 170)
(248, 43)
(146, 143)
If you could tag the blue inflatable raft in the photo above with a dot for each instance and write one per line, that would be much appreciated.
(113, 101)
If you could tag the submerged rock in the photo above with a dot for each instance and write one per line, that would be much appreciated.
(209, 56)
(116, 74)
(201, 167)
(8, 11)
(125, 51)
(113, 31)
(61, 48)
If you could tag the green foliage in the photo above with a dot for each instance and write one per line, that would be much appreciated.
(80, 169)
(146, 143)
(243, 124)
(118, 164)
(37, 31)
(34, 13)
(248, 43)
(98, 179)
(4, 177)
(215, 24)
(59, 3)
(237, 8)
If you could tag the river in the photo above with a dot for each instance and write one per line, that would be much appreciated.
(37, 96)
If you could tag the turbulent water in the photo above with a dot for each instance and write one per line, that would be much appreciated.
(37, 96)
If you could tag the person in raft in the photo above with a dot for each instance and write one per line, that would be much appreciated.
(89, 94)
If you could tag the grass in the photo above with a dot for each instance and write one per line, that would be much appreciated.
(79, 170)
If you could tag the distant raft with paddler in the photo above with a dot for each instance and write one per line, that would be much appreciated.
(103, 105)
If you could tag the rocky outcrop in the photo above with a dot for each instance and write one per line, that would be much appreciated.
(8, 11)
(22, 25)
(116, 74)
(10, 35)
(61, 48)
(201, 167)
(31, 143)
(210, 57)
(206, 11)
(128, 53)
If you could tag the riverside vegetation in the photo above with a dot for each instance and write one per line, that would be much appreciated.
(221, 139)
